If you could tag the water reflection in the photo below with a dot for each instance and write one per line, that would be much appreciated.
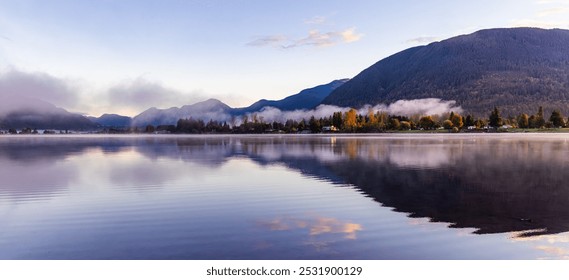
(492, 184)
(314, 226)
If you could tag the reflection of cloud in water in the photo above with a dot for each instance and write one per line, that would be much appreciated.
(316, 226)
(132, 169)
(323, 155)
(554, 245)
(420, 156)
(207, 152)
(332, 225)
(559, 253)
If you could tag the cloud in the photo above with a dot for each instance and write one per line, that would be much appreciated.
(553, 11)
(275, 40)
(316, 20)
(140, 94)
(423, 40)
(546, 1)
(319, 39)
(349, 35)
(18, 89)
(314, 38)
(271, 114)
(547, 24)
(555, 16)
(426, 106)
(23, 90)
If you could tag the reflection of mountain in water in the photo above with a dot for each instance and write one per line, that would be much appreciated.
(489, 184)
(493, 184)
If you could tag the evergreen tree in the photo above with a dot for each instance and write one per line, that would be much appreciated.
(337, 120)
(314, 125)
(556, 119)
(469, 121)
(539, 119)
(495, 120)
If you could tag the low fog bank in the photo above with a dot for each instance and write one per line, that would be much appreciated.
(20, 91)
(426, 106)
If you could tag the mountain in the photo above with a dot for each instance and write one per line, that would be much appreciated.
(516, 69)
(112, 120)
(206, 110)
(306, 99)
(214, 109)
(33, 113)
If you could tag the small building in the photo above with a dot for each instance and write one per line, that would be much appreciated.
(329, 128)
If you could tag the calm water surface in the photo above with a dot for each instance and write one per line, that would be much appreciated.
(285, 197)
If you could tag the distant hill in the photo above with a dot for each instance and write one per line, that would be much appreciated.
(214, 109)
(33, 113)
(112, 120)
(206, 110)
(306, 99)
(516, 69)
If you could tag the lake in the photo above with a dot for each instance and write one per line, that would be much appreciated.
(392, 196)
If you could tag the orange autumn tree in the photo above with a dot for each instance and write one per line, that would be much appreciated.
(350, 120)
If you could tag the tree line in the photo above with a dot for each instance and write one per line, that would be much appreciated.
(372, 122)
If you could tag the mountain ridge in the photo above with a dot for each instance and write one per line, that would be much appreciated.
(205, 110)
(216, 110)
(516, 69)
(112, 120)
(306, 99)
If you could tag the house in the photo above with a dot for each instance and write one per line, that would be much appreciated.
(329, 128)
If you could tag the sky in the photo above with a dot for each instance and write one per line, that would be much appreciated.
(124, 56)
